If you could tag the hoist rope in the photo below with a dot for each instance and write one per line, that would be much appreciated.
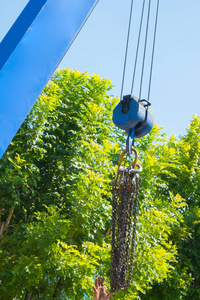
(145, 46)
(126, 51)
(144, 49)
(138, 43)
(153, 50)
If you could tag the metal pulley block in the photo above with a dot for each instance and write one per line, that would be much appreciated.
(133, 116)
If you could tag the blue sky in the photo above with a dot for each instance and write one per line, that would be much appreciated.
(100, 47)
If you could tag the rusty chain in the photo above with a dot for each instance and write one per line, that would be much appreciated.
(125, 200)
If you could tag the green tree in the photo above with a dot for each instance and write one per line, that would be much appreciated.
(55, 189)
(182, 177)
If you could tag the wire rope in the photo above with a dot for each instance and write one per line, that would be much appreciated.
(153, 50)
(145, 46)
(138, 44)
(126, 51)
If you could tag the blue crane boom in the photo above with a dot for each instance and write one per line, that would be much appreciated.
(30, 53)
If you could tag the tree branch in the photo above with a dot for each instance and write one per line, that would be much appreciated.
(4, 225)
(58, 288)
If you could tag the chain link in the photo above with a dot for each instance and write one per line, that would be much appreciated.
(125, 201)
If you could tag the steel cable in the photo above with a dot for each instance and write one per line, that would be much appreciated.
(126, 52)
(153, 50)
(145, 46)
(138, 44)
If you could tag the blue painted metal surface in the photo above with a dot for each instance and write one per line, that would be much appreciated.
(18, 30)
(29, 55)
(133, 116)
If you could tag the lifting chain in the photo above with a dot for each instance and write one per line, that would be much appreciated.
(125, 200)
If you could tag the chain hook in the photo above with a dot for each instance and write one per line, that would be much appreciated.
(125, 202)
(121, 170)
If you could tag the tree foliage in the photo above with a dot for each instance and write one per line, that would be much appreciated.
(55, 189)
(183, 178)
